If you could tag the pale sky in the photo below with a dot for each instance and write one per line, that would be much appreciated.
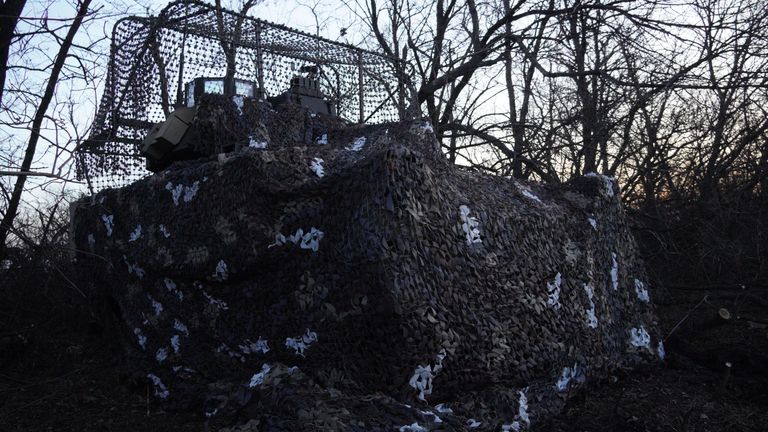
(298, 14)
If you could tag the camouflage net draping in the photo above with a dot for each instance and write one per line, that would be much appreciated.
(153, 58)
(367, 284)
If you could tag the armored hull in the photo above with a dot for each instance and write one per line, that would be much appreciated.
(361, 282)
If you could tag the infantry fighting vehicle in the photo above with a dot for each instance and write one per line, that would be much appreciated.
(167, 73)
(172, 141)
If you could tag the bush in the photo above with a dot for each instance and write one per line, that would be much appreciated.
(702, 244)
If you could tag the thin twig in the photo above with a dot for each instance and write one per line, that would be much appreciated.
(686, 317)
(37, 174)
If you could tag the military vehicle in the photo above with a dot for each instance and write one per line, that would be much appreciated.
(166, 72)
(170, 141)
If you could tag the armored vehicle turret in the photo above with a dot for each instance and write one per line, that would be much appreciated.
(171, 140)
(162, 67)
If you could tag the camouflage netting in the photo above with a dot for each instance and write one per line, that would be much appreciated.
(367, 284)
(153, 61)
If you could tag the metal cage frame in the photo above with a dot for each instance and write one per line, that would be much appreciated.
(152, 59)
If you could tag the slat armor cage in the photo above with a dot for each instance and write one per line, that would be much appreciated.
(152, 59)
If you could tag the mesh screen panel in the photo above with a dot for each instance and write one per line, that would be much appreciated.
(153, 59)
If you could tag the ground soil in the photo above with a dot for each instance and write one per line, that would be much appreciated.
(57, 375)
(694, 390)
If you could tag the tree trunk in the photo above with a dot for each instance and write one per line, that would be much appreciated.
(764, 173)
(586, 98)
(10, 11)
(517, 165)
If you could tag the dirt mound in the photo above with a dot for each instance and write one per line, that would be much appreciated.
(361, 282)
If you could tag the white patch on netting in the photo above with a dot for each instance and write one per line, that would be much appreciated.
(279, 240)
(136, 234)
(258, 378)
(250, 347)
(164, 231)
(257, 144)
(642, 293)
(134, 268)
(323, 140)
(175, 343)
(661, 351)
(161, 390)
(309, 240)
(426, 126)
(553, 288)
(470, 225)
(441, 408)
(528, 194)
(295, 238)
(439, 361)
(180, 327)
(317, 167)
(191, 191)
(421, 380)
(170, 285)
(301, 343)
(358, 144)
(639, 338)
(109, 223)
(435, 417)
(608, 185)
(221, 273)
(91, 240)
(591, 316)
(238, 101)
(522, 415)
(592, 221)
(562, 384)
(188, 192)
(156, 305)
(614, 272)
(514, 426)
(175, 191)
(209, 414)
(413, 427)
(161, 355)
(568, 375)
(140, 338)
(221, 304)
(473, 424)
(522, 411)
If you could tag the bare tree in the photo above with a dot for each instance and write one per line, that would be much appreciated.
(40, 113)
(229, 41)
(737, 121)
